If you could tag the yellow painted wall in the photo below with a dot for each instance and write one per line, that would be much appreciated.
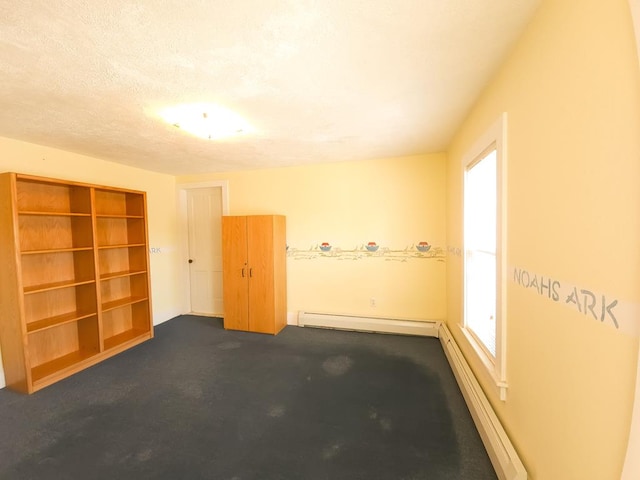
(33, 159)
(396, 203)
(571, 90)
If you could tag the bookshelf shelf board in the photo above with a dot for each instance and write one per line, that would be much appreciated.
(55, 285)
(39, 325)
(126, 273)
(124, 337)
(126, 245)
(123, 302)
(57, 366)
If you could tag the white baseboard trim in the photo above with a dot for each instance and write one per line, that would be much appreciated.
(292, 318)
(503, 455)
(400, 326)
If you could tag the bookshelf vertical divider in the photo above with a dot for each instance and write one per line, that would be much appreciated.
(77, 286)
(96, 268)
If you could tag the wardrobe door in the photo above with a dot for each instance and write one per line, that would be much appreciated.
(279, 260)
(261, 284)
(235, 273)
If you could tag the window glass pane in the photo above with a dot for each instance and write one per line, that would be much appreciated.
(480, 222)
(481, 205)
(480, 297)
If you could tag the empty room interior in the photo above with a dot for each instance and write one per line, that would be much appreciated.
(362, 127)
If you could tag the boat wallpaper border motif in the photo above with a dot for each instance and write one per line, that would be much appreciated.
(419, 250)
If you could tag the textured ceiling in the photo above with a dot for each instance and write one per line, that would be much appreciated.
(319, 80)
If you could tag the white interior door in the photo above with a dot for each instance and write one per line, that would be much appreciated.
(204, 212)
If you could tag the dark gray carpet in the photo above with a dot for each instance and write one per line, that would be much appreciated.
(199, 402)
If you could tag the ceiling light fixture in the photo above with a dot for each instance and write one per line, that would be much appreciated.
(206, 120)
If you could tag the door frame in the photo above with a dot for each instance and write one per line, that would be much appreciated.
(183, 224)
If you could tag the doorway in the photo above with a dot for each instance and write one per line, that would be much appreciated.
(202, 206)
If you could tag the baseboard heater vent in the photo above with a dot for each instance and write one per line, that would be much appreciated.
(427, 328)
(504, 457)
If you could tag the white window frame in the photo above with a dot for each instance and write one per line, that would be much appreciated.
(631, 468)
(496, 367)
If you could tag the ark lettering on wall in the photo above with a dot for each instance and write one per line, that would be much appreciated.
(598, 306)
(371, 249)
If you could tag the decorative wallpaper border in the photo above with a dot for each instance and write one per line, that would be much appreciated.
(419, 250)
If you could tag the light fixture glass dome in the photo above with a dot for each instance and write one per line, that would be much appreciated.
(206, 120)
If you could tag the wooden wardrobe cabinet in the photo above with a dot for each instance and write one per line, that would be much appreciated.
(75, 283)
(254, 273)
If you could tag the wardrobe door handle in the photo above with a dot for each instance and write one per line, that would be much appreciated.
(242, 272)
(251, 272)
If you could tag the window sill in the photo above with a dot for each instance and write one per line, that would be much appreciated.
(488, 362)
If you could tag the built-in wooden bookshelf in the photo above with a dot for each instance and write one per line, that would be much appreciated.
(77, 286)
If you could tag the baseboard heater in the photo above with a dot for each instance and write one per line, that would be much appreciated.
(427, 328)
(503, 455)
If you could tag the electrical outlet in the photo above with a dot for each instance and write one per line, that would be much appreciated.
(372, 302)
